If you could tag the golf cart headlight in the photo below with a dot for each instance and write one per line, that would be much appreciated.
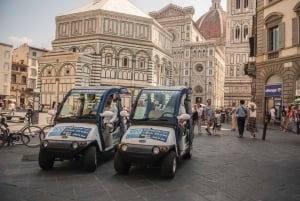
(124, 147)
(155, 150)
(45, 143)
(74, 145)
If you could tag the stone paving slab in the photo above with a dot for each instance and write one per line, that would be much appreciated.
(223, 168)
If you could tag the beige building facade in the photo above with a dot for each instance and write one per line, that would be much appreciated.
(108, 42)
(28, 55)
(239, 29)
(19, 92)
(198, 63)
(278, 54)
(5, 70)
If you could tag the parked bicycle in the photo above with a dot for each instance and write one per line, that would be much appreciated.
(29, 135)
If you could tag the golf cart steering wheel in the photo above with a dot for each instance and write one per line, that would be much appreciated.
(167, 114)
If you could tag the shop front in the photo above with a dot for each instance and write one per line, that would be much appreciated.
(273, 98)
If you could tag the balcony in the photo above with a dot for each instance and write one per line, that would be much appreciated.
(273, 55)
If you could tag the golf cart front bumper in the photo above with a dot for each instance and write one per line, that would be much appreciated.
(143, 154)
(64, 149)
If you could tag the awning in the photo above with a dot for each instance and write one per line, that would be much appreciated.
(296, 102)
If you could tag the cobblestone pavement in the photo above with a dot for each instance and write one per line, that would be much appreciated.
(223, 168)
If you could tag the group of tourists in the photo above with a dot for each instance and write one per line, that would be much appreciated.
(288, 118)
(205, 114)
(245, 117)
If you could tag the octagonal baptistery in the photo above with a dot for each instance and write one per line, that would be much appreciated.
(212, 25)
(106, 42)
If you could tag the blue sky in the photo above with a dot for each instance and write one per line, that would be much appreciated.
(33, 21)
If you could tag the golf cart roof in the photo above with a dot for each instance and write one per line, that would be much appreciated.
(104, 88)
(175, 88)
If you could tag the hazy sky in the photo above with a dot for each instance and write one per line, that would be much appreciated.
(33, 21)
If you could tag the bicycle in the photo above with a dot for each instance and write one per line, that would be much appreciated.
(29, 135)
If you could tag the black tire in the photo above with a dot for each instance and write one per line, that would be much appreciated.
(46, 161)
(120, 165)
(34, 133)
(90, 160)
(3, 137)
(169, 165)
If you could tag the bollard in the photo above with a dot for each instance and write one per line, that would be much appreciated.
(266, 121)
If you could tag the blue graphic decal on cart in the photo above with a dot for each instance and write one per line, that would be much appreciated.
(80, 132)
(148, 133)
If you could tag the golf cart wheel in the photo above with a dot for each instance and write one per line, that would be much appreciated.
(121, 166)
(169, 165)
(90, 159)
(46, 162)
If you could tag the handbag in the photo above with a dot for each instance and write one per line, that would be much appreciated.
(51, 112)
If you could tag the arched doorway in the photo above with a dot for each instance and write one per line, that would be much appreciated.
(273, 95)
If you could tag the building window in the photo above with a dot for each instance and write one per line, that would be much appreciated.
(108, 59)
(237, 71)
(6, 54)
(23, 69)
(245, 32)
(274, 38)
(237, 32)
(67, 71)
(33, 72)
(23, 80)
(6, 67)
(125, 62)
(246, 3)
(298, 87)
(199, 68)
(231, 71)
(296, 26)
(237, 4)
(34, 54)
(33, 62)
(141, 63)
(13, 78)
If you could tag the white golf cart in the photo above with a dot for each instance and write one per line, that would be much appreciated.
(87, 123)
(160, 131)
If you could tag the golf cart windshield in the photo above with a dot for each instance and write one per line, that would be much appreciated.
(157, 105)
(81, 104)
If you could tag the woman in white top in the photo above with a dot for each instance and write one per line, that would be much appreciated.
(251, 125)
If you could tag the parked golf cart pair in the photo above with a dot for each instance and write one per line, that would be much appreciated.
(159, 133)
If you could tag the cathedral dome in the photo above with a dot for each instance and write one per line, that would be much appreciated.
(212, 25)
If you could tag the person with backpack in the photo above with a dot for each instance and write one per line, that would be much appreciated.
(241, 114)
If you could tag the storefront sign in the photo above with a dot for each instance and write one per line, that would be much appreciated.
(273, 90)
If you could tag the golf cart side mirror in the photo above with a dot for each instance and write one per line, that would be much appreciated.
(184, 117)
(124, 113)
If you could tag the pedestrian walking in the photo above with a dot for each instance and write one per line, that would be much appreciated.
(284, 124)
(292, 119)
(194, 114)
(233, 117)
(209, 116)
(273, 116)
(200, 117)
(12, 109)
(251, 123)
(241, 114)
